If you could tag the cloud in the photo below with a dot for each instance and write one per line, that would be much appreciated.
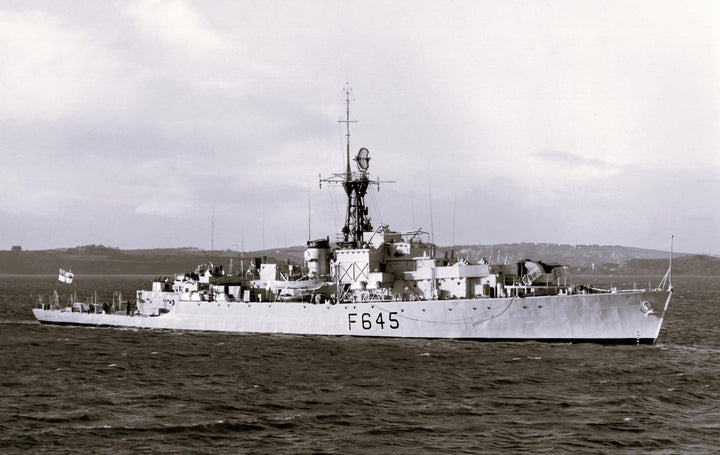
(538, 122)
(570, 160)
(175, 23)
(49, 70)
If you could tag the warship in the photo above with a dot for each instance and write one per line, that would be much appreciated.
(378, 282)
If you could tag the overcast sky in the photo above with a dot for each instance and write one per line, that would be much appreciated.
(163, 123)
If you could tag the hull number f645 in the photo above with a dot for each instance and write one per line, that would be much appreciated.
(367, 321)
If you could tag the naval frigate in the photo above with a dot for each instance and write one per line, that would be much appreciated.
(382, 283)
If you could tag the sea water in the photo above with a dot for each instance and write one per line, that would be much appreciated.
(104, 390)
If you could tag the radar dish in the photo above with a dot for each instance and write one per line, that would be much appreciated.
(363, 159)
(534, 271)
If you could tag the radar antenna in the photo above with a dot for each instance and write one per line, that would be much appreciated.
(355, 184)
(347, 123)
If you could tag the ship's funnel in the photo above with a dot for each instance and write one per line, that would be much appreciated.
(317, 257)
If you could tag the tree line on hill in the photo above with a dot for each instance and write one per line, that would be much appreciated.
(580, 259)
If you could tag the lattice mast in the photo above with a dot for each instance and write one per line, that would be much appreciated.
(355, 185)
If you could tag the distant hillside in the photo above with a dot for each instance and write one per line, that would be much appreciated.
(685, 265)
(581, 259)
(99, 259)
(591, 259)
(583, 256)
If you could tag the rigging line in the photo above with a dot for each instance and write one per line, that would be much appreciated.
(376, 206)
(453, 225)
(333, 209)
(412, 211)
(341, 137)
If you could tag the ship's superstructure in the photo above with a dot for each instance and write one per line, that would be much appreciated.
(378, 282)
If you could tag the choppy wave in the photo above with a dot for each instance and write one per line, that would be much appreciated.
(69, 389)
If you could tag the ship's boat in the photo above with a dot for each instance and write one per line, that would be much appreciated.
(383, 283)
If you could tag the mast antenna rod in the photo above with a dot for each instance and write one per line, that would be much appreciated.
(672, 240)
(432, 227)
(347, 123)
